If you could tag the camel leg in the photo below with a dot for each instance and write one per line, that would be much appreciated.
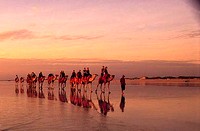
(101, 87)
(97, 87)
(91, 87)
(109, 87)
(104, 87)
(86, 86)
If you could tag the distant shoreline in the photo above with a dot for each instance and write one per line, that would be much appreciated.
(165, 82)
(7, 80)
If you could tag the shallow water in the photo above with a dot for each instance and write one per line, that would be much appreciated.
(144, 108)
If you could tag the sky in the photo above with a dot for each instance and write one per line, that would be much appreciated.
(131, 37)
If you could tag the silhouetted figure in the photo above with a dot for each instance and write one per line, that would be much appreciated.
(123, 83)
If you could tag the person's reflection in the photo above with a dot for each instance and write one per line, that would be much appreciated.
(85, 103)
(62, 95)
(16, 89)
(122, 103)
(72, 96)
(105, 105)
(29, 91)
(41, 93)
(22, 84)
(100, 102)
(91, 103)
(17, 84)
(34, 92)
(78, 98)
(50, 94)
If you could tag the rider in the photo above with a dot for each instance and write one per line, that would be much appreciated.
(62, 74)
(84, 73)
(88, 72)
(106, 75)
(73, 74)
(40, 75)
(102, 70)
(79, 74)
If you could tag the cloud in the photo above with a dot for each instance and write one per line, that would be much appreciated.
(184, 35)
(17, 34)
(66, 37)
(27, 34)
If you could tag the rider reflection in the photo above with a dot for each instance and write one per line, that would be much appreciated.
(105, 105)
(41, 93)
(62, 95)
(122, 103)
(50, 94)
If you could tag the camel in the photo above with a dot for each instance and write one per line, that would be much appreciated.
(88, 82)
(62, 82)
(17, 79)
(16, 84)
(105, 80)
(83, 82)
(31, 80)
(51, 78)
(41, 81)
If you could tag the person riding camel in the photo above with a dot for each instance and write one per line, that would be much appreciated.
(73, 74)
(62, 76)
(84, 72)
(88, 72)
(106, 74)
(40, 75)
(102, 70)
(33, 74)
(79, 75)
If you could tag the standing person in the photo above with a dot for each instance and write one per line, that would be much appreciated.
(123, 83)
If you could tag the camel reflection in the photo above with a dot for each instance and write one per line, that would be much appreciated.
(22, 85)
(104, 105)
(122, 103)
(17, 85)
(51, 95)
(31, 91)
(62, 95)
(41, 93)
(82, 99)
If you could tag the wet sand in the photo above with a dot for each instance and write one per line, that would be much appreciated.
(145, 107)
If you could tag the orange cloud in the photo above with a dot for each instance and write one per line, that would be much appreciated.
(66, 37)
(191, 34)
(27, 34)
(17, 34)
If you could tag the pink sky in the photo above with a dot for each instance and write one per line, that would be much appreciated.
(115, 30)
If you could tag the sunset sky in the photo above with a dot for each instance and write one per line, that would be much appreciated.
(99, 32)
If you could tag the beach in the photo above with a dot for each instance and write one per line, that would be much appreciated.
(145, 107)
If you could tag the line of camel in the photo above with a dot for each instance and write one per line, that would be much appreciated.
(75, 82)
